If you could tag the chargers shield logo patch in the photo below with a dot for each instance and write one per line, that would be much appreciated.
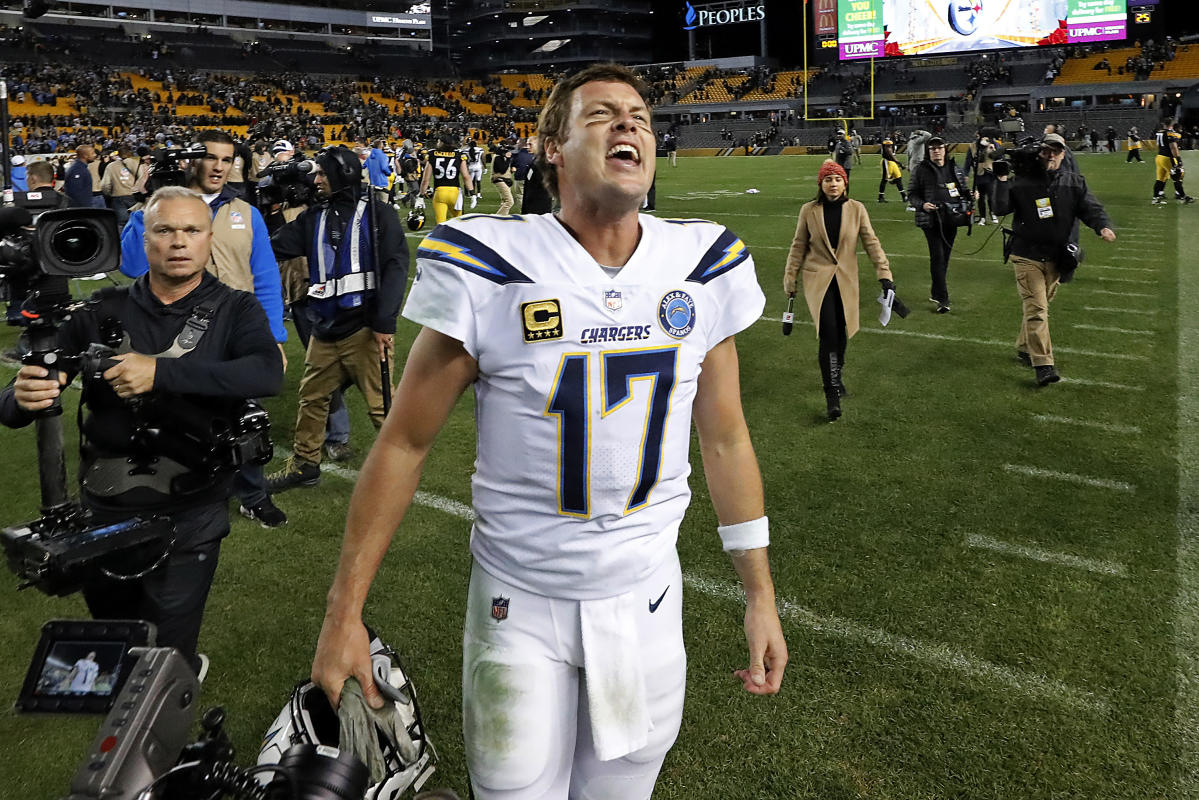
(613, 300)
(676, 314)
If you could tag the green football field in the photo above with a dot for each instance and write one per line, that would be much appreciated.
(989, 590)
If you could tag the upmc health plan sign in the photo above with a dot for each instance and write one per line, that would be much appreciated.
(1097, 20)
(860, 32)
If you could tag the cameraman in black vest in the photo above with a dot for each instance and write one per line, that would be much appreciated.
(131, 468)
(1045, 202)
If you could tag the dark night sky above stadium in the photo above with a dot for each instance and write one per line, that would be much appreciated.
(785, 30)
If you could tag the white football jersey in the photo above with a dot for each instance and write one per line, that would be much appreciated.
(583, 401)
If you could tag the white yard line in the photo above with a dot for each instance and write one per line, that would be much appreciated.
(1119, 269)
(1109, 329)
(941, 656)
(1111, 427)
(1027, 684)
(967, 340)
(1047, 556)
(1125, 280)
(1119, 310)
(1069, 477)
(1121, 294)
(1103, 384)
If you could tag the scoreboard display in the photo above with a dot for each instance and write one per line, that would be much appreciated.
(884, 28)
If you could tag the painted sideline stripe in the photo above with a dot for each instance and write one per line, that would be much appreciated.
(1119, 310)
(1185, 617)
(1028, 684)
(1112, 427)
(989, 342)
(1134, 331)
(1047, 556)
(1085, 480)
(938, 655)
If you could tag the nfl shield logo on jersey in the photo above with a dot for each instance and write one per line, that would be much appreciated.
(499, 608)
(613, 300)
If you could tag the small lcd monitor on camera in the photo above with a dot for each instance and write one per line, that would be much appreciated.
(80, 666)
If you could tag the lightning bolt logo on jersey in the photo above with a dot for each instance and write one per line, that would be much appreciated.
(585, 386)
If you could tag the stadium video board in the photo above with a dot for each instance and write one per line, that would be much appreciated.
(881, 28)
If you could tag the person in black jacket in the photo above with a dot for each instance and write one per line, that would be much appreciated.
(938, 192)
(123, 475)
(357, 272)
(536, 197)
(1044, 207)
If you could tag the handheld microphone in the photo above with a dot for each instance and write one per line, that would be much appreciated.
(789, 315)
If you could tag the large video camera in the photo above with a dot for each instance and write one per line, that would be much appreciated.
(1024, 160)
(288, 182)
(150, 696)
(168, 168)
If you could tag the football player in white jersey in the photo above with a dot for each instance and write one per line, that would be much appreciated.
(474, 167)
(583, 334)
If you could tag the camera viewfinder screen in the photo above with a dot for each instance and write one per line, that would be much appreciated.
(80, 669)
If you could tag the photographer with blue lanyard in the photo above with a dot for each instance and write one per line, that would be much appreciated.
(357, 271)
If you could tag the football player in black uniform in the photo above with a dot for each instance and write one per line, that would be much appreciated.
(446, 168)
(891, 172)
(1169, 166)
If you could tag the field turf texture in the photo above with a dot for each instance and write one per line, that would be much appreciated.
(989, 590)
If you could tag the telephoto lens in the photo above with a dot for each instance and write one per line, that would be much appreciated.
(318, 772)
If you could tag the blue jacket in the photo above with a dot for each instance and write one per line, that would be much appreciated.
(268, 285)
(78, 185)
(18, 178)
(378, 168)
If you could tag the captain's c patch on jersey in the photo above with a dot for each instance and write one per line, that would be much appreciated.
(541, 320)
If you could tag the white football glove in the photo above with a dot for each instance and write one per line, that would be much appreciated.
(474, 200)
(419, 203)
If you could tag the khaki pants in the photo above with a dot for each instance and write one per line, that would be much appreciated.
(505, 197)
(327, 367)
(1036, 281)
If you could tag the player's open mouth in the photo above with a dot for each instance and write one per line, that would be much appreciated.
(625, 152)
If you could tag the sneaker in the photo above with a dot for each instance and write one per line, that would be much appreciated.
(203, 671)
(942, 308)
(1046, 375)
(994, 220)
(338, 451)
(910, 208)
(982, 221)
(882, 199)
(1024, 358)
(1186, 200)
(1158, 200)
(294, 473)
(266, 514)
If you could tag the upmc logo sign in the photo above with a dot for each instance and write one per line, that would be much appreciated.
(871, 49)
(705, 16)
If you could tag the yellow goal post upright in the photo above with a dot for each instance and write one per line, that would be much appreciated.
(807, 75)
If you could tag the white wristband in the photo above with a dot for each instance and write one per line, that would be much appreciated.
(745, 535)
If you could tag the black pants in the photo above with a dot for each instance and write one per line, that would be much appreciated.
(940, 243)
(985, 184)
(173, 595)
(1134, 153)
(832, 336)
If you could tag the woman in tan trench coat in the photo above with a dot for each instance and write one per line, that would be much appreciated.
(830, 273)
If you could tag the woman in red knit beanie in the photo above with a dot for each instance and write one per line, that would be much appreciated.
(825, 250)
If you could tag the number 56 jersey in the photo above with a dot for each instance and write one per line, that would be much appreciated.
(585, 388)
